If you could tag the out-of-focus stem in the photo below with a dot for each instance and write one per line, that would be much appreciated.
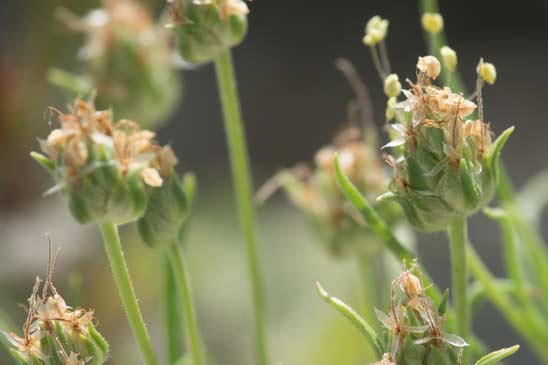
(458, 238)
(241, 176)
(195, 345)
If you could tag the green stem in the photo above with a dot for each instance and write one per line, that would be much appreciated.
(458, 238)
(532, 332)
(113, 248)
(173, 321)
(181, 278)
(244, 192)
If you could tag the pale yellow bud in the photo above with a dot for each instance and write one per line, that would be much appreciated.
(488, 72)
(375, 31)
(432, 22)
(449, 58)
(392, 86)
(430, 66)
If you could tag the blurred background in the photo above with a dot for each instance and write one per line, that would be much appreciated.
(294, 100)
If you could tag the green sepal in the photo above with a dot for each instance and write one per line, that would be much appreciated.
(203, 35)
(165, 214)
(496, 356)
(442, 307)
(43, 161)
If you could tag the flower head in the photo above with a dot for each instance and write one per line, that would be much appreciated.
(446, 165)
(314, 189)
(128, 59)
(55, 333)
(205, 28)
(102, 166)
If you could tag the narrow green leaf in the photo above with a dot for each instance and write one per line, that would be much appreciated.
(497, 356)
(43, 161)
(377, 224)
(361, 324)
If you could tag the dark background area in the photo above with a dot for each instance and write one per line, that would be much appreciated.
(293, 102)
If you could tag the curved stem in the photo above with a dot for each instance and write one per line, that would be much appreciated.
(243, 190)
(181, 278)
(173, 321)
(458, 238)
(113, 248)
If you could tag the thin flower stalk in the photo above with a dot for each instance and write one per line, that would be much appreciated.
(113, 248)
(458, 237)
(243, 189)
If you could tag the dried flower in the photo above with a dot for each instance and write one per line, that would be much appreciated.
(432, 22)
(102, 166)
(445, 165)
(204, 28)
(430, 66)
(56, 334)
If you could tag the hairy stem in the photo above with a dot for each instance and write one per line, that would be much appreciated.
(113, 248)
(173, 319)
(244, 192)
(458, 238)
(181, 278)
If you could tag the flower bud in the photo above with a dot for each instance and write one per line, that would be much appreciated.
(449, 58)
(128, 59)
(488, 72)
(56, 334)
(392, 86)
(375, 31)
(432, 22)
(101, 167)
(446, 166)
(206, 28)
(430, 66)
(162, 223)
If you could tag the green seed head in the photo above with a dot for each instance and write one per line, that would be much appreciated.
(413, 327)
(128, 59)
(446, 164)
(167, 206)
(101, 167)
(205, 28)
(56, 334)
